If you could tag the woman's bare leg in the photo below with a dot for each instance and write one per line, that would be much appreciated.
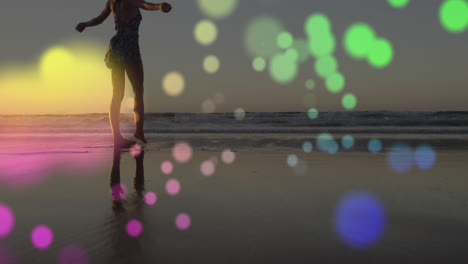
(118, 84)
(135, 75)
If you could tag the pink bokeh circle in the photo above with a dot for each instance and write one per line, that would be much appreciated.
(135, 150)
(134, 228)
(183, 221)
(151, 198)
(42, 237)
(182, 152)
(119, 192)
(228, 156)
(207, 168)
(167, 167)
(7, 220)
(173, 187)
(72, 254)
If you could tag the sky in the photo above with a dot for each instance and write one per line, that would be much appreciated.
(428, 70)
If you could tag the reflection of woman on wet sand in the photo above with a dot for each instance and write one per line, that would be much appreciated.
(124, 56)
(126, 249)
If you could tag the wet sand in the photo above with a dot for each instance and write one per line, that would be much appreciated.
(256, 210)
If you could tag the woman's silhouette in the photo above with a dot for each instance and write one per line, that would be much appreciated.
(124, 56)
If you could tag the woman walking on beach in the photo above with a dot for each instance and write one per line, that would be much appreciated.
(124, 56)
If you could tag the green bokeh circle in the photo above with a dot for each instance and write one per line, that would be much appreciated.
(325, 66)
(358, 39)
(211, 64)
(322, 44)
(398, 3)
(284, 40)
(310, 84)
(302, 48)
(205, 32)
(261, 35)
(313, 113)
(335, 82)
(259, 64)
(349, 101)
(453, 15)
(380, 54)
(283, 69)
(217, 9)
(316, 24)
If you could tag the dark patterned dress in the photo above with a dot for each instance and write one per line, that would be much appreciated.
(124, 47)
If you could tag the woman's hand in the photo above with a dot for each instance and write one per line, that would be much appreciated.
(166, 8)
(80, 27)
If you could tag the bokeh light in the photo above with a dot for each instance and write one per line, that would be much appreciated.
(239, 114)
(349, 101)
(335, 82)
(321, 40)
(259, 64)
(205, 32)
(7, 220)
(167, 167)
(119, 192)
(292, 54)
(325, 66)
(173, 187)
(398, 3)
(56, 65)
(302, 48)
(135, 150)
(347, 141)
(183, 221)
(182, 152)
(150, 198)
(425, 157)
(374, 145)
(283, 69)
(261, 35)
(72, 254)
(292, 160)
(380, 53)
(134, 228)
(307, 146)
(310, 84)
(42, 237)
(207, 168)
(285, 40)
(301, 168)
(217, 9)
(358, 40)
(208, 106)
(326, 143)
(313, 113)
(322, 45)
(316, 24)
(400, 158)
(228, 156)
(453, 15)
(26, 88)
(360, 220)
(211, 64)
(173, 84)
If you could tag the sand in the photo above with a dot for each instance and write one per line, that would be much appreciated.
(255, 210)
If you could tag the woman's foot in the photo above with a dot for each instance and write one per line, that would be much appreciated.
(140, 136)
(123, 143)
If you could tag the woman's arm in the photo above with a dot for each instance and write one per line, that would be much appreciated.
(97, 20)
(164, 7)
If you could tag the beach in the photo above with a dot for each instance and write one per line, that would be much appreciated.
(243, 197)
